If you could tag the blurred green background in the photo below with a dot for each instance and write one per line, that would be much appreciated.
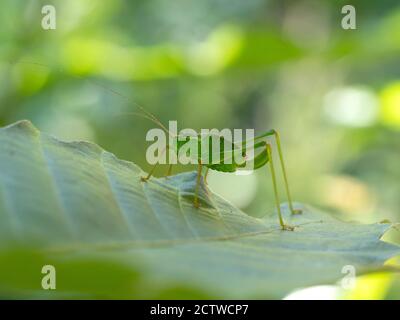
(333, 94)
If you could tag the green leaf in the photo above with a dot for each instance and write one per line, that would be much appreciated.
(79, 208)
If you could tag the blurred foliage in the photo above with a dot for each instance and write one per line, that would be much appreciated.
(333, 94)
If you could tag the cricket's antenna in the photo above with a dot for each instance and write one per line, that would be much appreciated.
(145, 114)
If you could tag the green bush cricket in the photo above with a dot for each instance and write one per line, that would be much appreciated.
(263, 156)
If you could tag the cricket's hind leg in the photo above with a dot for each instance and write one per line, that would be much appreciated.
(274, 184)
(278, 145)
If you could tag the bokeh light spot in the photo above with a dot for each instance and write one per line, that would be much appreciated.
(314, 293)
(240, 190)
(216, 52)
(390, 105)
(351, 106)
(28, 79)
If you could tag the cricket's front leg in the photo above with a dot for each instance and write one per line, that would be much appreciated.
(144, 179)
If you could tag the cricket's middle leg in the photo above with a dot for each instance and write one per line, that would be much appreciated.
(196, 202)
(206, 175)
(169, 171)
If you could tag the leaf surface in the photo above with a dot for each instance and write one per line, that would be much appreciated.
(110, 234)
